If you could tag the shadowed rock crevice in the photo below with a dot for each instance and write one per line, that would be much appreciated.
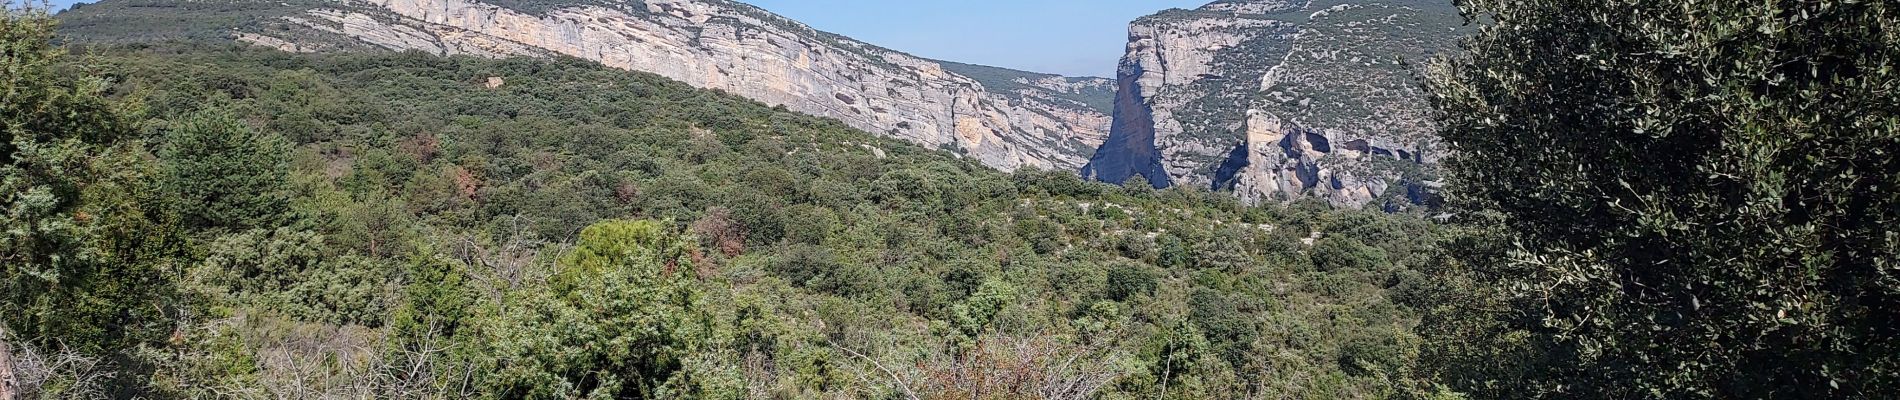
(1130, 148)
(1237, 160)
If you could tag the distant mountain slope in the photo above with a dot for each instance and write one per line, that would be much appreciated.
(1277, 99)
(1006, 119)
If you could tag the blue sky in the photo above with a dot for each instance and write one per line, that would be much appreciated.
(57, 4)
(1069, 37)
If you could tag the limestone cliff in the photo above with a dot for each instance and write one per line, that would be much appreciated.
(1279, 99)
(1002, 118)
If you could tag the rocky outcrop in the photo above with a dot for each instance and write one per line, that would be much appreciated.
(9, 381)
(1280, 160)
(1277, 100)
(1006, 120)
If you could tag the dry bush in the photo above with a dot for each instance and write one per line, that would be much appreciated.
(502, 263)
(61, 374)
(721, 231)
(424, 371)
(1039, 367)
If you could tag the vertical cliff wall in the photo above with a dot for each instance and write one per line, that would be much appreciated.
(1278, 100)
(1130, 150)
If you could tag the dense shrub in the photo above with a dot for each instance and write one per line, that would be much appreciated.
(1697, 197)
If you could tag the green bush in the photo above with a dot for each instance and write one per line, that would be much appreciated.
(620, 319)
(1127, 280)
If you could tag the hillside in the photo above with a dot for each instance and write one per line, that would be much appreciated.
(449, 213)
(1002, 118)
(1644, 202)
(1279, 100)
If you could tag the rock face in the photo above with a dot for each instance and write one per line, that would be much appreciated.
(1003, 118)
(1279, 99)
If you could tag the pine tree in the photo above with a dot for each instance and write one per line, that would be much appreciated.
(223, 174)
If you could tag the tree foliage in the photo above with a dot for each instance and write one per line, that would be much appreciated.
(619, 320)
(1699, 197)
(224, 174)
(80, 251)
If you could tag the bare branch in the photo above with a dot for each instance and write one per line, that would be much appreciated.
(895, 380)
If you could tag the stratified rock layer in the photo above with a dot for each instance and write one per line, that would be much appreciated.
(1003, 118)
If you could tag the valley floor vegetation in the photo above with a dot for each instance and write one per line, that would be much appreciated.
(1698, 204)
(196, 221)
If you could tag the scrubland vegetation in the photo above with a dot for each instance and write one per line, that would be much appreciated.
(1671, 200)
